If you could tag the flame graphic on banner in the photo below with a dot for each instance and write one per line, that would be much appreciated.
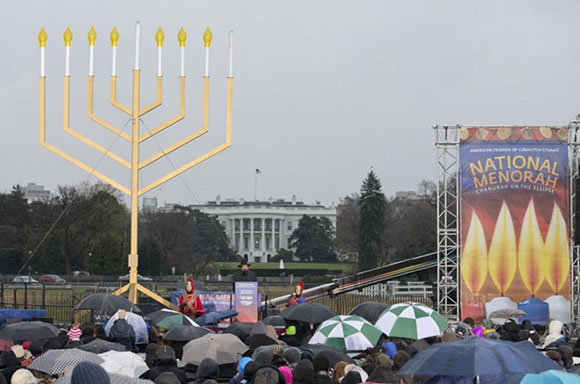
(474, 255)
(501, 261)
(530, 260)
(557, 252)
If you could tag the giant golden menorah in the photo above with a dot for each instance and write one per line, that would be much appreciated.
(135, 138)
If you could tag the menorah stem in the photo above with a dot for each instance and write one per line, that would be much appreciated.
(133, 257)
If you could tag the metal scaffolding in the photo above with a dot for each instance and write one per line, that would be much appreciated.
(574, 153)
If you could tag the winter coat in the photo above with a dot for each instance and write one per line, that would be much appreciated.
(164, 366)
(554, 333)
(123, 333)
(207, 369)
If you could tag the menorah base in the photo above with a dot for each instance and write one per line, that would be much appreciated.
(135, 288)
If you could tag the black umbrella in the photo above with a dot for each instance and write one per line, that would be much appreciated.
(259, 340)
(370, 311)
(29, 331)
(241, 330)
(275, 321)
(100, 346)
(333, 353)
(308, 313)
(107, 304)
(214, 317)
(159, 317)
(185, 333)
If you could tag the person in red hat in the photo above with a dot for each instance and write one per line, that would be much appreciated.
(190, 303)
(297, 297)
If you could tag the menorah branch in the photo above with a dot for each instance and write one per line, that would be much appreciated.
(172, 121)
(159, 99)
(63, 154)
(189, 138)
(114, 101)
(97, 119)
(206, 155)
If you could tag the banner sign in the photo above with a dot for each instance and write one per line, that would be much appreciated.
(514, 216)
(246, 299)
(211, 301)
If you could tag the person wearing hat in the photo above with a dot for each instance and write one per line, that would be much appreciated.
(165, 361)
(190, 303)
(244, 274)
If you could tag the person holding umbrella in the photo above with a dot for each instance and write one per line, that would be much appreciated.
(190, 303)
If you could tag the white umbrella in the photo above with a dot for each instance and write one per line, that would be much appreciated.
(411, 321)
(136, 321)
(123, 363)
(349, 333)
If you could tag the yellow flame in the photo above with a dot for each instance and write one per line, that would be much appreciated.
(502, 259)
(42, 37)
(207, 36)
(114, 36)
(181, 37)
(530, 251)
(557, 251)
(92, 36)
(474, 255)
(67, 36)
(159, 37)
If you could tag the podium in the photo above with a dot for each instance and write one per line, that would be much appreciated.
(246, 301)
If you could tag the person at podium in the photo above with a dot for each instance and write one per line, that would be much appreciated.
(244, 274)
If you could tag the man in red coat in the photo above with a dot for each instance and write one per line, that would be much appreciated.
(189, 302)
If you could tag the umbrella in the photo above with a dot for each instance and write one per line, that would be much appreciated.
(106, 304)
(214, 317)
(5, 344)
(115, 379)
(348, 333)
(546, 377)
(334, 354)
(506, 313)
(308, 313)
(476, 356)
(411, 321)
(259, 340)
(169, 319)
(100, 346)
(138, 324)
(370, 310)
(57, 361)
(185, 333)
(275, 321)
(31, 331)
(222, 348)
(124, 363)
(241, 330)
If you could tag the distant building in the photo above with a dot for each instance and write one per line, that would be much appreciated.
(258, 229)
(34, 192)
(409, 195)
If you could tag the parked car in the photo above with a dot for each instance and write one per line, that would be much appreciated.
(81, 273)
(51, 279)
(24, 279)
(139, 278)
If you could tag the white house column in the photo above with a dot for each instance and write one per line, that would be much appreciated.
(233, 240)
(241, 233)
(263, 242)
(252, 242)
(273, 240)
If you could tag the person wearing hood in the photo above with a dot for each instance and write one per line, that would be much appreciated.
(239, 377)
(321, 369)
(122, 332)
(529, 333)
(150, 357)
(208, 369)
(190, 303)
(352, 377)
(554, 333)
(303, 373)
(381, 374)
(9, 364)
(297, 297)
(167, 378)
(165, 361)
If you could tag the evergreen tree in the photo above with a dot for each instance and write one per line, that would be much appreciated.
(313, 239)
(372, 222)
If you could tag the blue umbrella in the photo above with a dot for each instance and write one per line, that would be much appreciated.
(550, 377)
(214, 317)
(478, 357)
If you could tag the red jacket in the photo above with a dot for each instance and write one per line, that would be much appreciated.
(190, 304)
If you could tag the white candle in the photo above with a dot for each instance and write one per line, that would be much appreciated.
(182, 70)
(114, 65)
(206, 61)
(159, 49)
(67, 61)
(137, 32)
(42, 74)
(91, 59)
(231, 58)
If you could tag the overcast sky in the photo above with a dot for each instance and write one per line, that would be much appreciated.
(323, 89)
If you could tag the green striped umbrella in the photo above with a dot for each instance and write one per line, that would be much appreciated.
(411, 321)
(349, 333)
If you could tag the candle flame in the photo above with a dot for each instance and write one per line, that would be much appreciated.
(67, 36)
(207, 36)
(557, 251)
(42, 37)
(159, 37)
(92, 36)
(530, 255)
(181, 37)
(114, 37)
(502, 260)
(474, 255)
